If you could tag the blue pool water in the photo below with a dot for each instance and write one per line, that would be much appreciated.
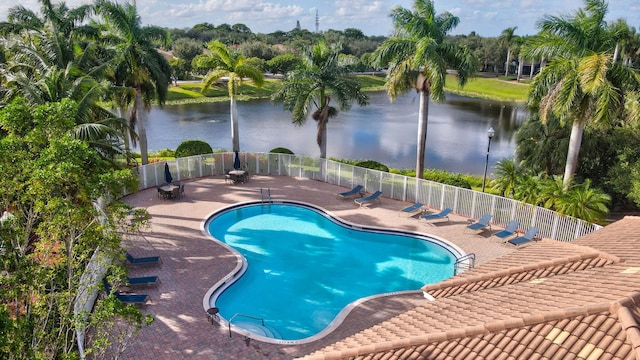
(304, 268)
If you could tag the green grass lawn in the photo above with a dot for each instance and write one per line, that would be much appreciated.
(371, 83)
(489, 88)
(478, 87)
(190, 92)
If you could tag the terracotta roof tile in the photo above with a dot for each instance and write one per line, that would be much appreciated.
(548, 300)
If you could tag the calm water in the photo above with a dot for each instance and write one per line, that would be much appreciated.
(303, 268)
(382, 131)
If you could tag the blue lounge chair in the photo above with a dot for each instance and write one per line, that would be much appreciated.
(365, 201)
(412, 210)
(526, 238)
(132, 298)
(444, 214)
(142, 260)
(143, 281)
(357, 190)
(126, 297)
(481, 224)
(511, 228)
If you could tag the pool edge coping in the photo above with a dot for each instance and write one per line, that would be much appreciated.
(241, 267)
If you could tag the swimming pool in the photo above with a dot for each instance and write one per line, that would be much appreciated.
(303, 267)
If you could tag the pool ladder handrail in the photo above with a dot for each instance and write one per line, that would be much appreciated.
(246, 316)
(268, 194)
(470, 260)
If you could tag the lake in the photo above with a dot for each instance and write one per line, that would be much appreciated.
(382, 131)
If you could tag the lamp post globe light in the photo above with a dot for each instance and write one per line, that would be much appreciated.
(490, 134)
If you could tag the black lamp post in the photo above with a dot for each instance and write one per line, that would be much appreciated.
(490, 134)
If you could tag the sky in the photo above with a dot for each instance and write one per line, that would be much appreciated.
(485, 17)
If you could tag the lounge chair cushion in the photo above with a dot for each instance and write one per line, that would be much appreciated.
(481, 224)
(143, 281)
(142, 260)
(412, 209)
(369, 199)
(444, 214)
(511, 228)
(356, 191)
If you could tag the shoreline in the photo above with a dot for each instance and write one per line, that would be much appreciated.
(203, 100)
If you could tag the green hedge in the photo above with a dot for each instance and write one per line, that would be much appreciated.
(281, 150)
(193, 147)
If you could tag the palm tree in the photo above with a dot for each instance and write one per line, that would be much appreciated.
(54, 61)
(231, 64)
(69, 22)
(542, 146)
(581, 84)
(417, 56)
(136, 62)
(506, 39)
(506, 177)
(312, 85)
(580, 200)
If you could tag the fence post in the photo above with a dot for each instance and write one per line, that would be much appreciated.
(493, 205)
(554, 227)
(455, 197)
(473, 204)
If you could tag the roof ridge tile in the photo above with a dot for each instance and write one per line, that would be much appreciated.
(541, 269)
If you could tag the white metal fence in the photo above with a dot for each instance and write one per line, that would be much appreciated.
(435, 195)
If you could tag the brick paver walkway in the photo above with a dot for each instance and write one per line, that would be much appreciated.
(192, 262)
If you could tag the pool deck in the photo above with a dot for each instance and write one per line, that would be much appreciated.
(192, 262)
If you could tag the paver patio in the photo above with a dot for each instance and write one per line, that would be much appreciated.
(192, 262)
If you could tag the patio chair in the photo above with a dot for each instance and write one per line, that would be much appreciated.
(524, 239)
(365, 201)
(142, 281)
(444, 214)
(481, 224)
(142, 260)
(162, 194)
(511, 228)
(175, 193)
(412, 210)
(227, 176)
(357, 190)
(126, 298)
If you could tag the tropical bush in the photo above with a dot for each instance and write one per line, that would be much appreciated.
(371, 164)
(193, 147)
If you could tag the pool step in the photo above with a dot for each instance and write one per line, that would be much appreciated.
(259, 329)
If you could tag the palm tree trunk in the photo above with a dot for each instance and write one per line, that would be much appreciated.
(423, 120)
(506, 65)
(142, 131)
(322, 128)
(533, 63)
(126, 135)
(572, 155)
(323, 144)
(235, 139)
(520, 67)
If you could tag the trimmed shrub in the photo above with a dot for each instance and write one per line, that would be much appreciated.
(281, 150)
(193, 147)
(371, 164)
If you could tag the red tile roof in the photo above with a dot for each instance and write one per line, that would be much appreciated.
(549, 300)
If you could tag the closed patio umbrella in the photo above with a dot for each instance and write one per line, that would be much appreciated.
(167, 174)
(236, 160)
